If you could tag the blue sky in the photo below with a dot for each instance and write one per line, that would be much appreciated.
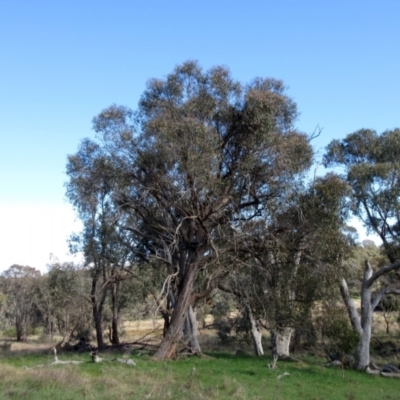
(62, 62)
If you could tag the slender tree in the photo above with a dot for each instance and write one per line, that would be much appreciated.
(287, 263)
(104, 244)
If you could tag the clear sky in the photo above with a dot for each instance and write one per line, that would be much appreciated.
(62, 62)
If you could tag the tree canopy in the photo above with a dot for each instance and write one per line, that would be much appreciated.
(202, 154)
(372, 168)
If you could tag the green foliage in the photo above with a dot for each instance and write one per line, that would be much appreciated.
(372, 168)
(223, 305)
(342, 338)
(10, 332)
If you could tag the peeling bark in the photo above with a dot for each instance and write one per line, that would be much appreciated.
(167, 349)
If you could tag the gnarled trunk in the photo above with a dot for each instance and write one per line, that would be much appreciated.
(167, 349)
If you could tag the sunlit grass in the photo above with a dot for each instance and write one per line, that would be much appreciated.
(220, 377)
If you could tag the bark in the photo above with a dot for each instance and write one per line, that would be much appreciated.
(166, 313)
(167, 349)
(362, 351)
(362, 325)
(20, 331)
(98, 319)
(255, 334)
(351, 307)
(114, 339)
(97, 311)
(280, 341)
(191, 331)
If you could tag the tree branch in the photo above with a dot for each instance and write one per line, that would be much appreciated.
(351, 307)
(382, 271)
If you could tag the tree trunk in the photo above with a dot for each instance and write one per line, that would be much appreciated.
(190, 330)
(362, 351)
(255, 334)
(97, 310)
(98, 317)
(361, 325)
(115, 313)
(19, 331)
(280, 341)
(167, 349)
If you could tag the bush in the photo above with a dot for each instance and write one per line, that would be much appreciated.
(10, 332)
(342, 339)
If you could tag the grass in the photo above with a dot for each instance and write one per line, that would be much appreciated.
(221, 377)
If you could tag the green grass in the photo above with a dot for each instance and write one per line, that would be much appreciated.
(220, 377)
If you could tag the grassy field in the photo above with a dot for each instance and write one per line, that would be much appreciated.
(221, 376)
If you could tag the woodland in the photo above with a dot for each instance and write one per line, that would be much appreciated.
(202, 209)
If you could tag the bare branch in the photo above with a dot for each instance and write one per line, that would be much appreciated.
(351, 307)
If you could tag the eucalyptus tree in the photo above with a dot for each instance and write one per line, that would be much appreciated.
(287, 263)
(62, 300)
(201, 153)
(104, 245)
(372, 168)
(371, 165)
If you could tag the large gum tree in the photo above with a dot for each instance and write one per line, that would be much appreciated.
(372, 169)
(201, 153)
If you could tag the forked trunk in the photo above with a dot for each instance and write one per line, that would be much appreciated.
(361, 354)
(280, 342)
(97, 310)
(362, 324)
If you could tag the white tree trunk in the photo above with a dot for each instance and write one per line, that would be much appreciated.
(190, 330)
(280, 340)
(362, 323)
(255, 334)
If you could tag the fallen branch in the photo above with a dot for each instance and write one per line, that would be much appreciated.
(387, 371)
(56, 361)
(97, 359)
(390, 375)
